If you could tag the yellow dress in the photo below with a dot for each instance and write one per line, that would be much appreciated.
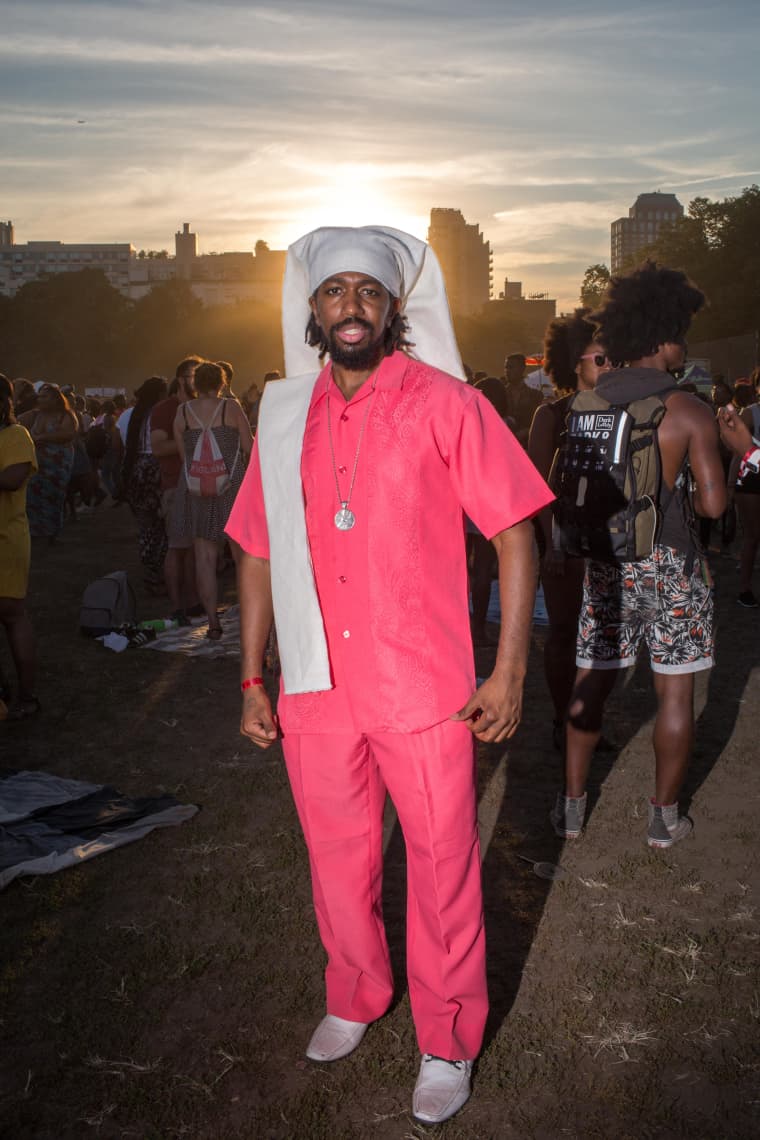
(16, 446)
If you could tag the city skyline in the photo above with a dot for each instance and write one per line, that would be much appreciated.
(120, 120)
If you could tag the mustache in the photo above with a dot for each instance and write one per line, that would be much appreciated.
(352, 321)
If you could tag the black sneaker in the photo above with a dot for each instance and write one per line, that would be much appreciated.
(748, 600)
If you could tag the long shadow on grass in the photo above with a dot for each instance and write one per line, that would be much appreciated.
(517, 783)
(521, 838)
(737, 654)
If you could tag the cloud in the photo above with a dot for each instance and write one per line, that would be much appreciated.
(246, 119)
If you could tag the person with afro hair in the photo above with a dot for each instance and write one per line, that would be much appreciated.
(663, 599)
(574, 361)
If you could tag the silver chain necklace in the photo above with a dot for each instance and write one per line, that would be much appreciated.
(345, 518)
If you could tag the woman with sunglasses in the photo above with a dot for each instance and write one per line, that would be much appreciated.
(574, 362)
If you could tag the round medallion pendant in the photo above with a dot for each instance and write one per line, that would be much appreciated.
(345, 519)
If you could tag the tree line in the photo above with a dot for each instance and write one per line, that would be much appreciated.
(76, 328)
(717, 244)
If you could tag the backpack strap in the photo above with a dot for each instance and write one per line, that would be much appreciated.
(203, 426)
(193, 413)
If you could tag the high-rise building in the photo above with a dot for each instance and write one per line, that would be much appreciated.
(465, 258)
(645, 219)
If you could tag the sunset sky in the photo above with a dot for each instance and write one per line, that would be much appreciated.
(541, 122)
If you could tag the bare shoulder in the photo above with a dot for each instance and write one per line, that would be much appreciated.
(689, 411)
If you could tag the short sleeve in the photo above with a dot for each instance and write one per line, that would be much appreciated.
(497, 484)
(162, 416)
(17, 446)
(247, 524)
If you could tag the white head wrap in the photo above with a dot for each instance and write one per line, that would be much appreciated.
(406, 266)
(409, 270)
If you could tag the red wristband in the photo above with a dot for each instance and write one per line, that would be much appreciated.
(250, 682)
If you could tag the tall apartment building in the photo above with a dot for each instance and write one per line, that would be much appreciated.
(645, 218)
(465, 258)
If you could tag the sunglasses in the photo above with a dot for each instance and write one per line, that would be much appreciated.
(598, 358)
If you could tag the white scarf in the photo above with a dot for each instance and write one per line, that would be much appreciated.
(409, 270)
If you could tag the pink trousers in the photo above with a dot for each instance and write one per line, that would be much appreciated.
(339, 785)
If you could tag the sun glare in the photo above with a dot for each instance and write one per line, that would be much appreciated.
(353, 196)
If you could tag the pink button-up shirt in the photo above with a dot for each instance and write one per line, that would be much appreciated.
(393, 590)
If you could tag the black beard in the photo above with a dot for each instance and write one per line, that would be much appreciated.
(355, 358)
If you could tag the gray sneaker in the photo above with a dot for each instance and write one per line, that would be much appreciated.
(567, 815)
(666, 826)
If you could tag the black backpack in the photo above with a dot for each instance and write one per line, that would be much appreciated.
(607, 476)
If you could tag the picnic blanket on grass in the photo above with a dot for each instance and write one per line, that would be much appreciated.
(192, 641)
(47, 823)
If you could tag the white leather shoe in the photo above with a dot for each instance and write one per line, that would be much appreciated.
(442, 1088)
(334, 1038)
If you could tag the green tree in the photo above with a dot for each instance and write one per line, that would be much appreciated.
(594, 285)
(68, 328)
(165, 325)
(718, 245)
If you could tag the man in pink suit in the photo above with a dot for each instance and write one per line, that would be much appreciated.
(351, 524)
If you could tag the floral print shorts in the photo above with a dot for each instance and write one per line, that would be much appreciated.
(653, 600)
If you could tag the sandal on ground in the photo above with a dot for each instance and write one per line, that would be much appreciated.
(23, 709)
(214, 632)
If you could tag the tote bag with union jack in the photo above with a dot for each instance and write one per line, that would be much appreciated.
(206, 471)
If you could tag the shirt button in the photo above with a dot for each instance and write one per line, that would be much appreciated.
(342, 578)
(342, 469)
(344, 417)
(346, 633)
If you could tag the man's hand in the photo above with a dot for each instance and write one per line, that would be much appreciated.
(258, 722)
(493, 712)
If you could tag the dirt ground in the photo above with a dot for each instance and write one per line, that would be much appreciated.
(168, 989)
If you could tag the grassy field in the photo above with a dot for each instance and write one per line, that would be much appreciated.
(168, 989)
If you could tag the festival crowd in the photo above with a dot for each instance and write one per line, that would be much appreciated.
(367, 505)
